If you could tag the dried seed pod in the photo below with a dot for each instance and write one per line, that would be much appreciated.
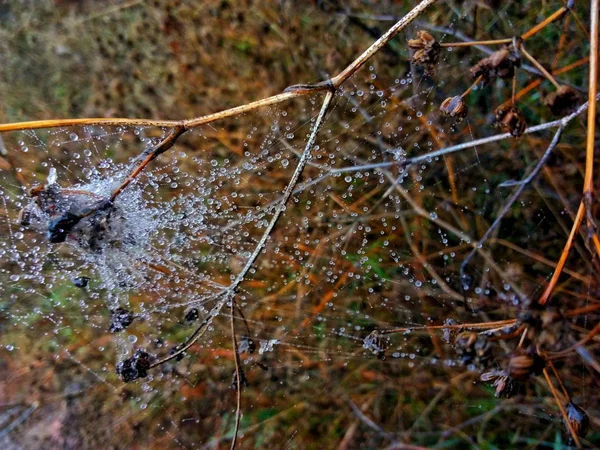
(455, 107)
(578, 419)
(501, 64)
(510, 119)
(120, 319)
(427, 50)
(523, 364)
(505, 386)
(563, 101)
(376, 343)
(473, 348)
(135, 367)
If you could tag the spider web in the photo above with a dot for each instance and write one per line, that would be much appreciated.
(366, 243)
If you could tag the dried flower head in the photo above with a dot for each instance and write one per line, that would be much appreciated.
(510, 119)
(376, 343)
(578, 419)
(501, 64)
(522, 364)
(455, 107)
(505, 386)
(135, 367)
(427, 50)
(563, 101)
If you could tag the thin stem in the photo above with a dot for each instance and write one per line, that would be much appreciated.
(269, 101)
(540, 26)
(472, 43)
(460, 326)
(464, 94)
(227, 294)
(588, 187)
(513, 97)
(159, 149)
(114, 122)
(592, 88)
(559, 379)
(522, 185)
(563, 256)
(593, 332)
(562, 409)
(238, 378)
(539, 67)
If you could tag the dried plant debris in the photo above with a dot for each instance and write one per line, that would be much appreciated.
(80, 282)
(120, 318)
(191, 314)
(578, 419)
(135, 367)
(455, 107)
(510, 119)
(563, 101)
(504, 385)
(500, 64)
(85, 217)
(246, 345)
(376, 343)
(473, 349)
(427, 50)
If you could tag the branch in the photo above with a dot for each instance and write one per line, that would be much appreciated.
(588, 186)
(522, 185)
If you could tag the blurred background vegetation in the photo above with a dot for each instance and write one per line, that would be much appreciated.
(179, 59)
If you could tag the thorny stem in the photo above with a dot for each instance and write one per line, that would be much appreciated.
(588, 187)
(562, 409)
(522, 185)
(539, 67)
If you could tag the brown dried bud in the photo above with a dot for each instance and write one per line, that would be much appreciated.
(522, 365)
(455, 107)
(563, 101)
(427, 50)
(505, 386)
(510, 119)
(501, 63)
(578, 419)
